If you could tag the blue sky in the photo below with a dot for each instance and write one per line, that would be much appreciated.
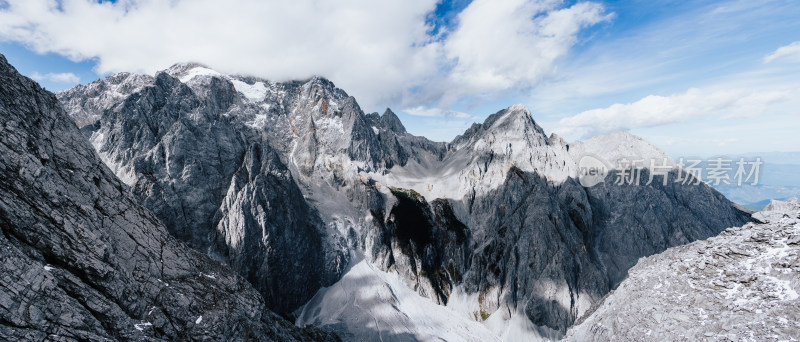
(693, 77)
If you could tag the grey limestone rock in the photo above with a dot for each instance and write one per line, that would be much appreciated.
(201, 173)
(83, 261)
(281, 179)
(742, 284)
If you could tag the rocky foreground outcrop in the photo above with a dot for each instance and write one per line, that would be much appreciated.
(740, 285)
(82, 260)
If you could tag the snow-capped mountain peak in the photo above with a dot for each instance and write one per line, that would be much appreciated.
(187, 71)
(258, 172)
(86, 103)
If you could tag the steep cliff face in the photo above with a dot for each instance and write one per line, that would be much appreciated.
(533, 256)
(494, 223)
(631, 221)
(83, 261)
(539, 244)
(189, 141)
(741, 284)
(264, 203)
(215, 183)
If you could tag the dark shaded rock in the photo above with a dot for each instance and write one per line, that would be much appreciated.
(271, 233)
(533, 255)
(201, 174)
(631, 221)
(722, 288)
(83, 261)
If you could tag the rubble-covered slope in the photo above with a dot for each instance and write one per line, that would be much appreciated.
(82, 261)
(741, 284)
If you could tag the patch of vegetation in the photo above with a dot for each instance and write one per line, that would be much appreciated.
(409, 194)
(481, 299)
(484, 315)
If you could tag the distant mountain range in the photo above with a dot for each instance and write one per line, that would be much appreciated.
(336, 218)
(777, 178)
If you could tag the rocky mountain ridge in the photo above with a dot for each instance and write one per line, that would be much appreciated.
(740, 285)
(83, 261)
(284, 181)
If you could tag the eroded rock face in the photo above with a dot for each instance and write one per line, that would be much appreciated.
(533, 255)
(188, 142)
(215, 184)
(258, 172)
(82, 260)
(424, 242)
(264, 203)
(103, 94)
(536, 246)
(742, 283)
(631, 221)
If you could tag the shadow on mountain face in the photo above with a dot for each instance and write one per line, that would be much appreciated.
(222, 190)
(552, 259)
(550, 250)
(633, 221)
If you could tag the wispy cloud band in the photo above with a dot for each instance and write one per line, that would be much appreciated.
(655, 110)
(64, 77)
(789, 52)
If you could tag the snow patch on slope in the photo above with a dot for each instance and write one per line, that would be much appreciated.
(255, 92)
(197, 71)
(373, 305)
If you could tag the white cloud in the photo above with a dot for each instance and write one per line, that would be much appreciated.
(697, 44)
(788, 52)
(64, 77)
(498, 47)
(438, 112)
(379, 51)
(654, 110)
